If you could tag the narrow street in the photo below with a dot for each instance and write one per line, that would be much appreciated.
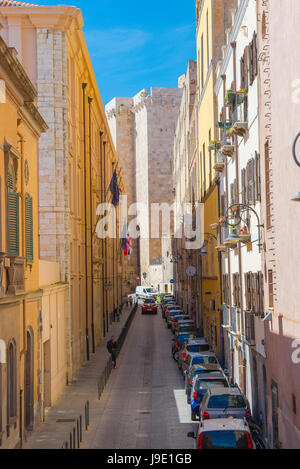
(144, 404)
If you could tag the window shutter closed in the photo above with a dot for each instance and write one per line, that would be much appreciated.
(29, 229)
(257, 178)
(255, 61)
(246, 67)
(13, 223)
(244, 194)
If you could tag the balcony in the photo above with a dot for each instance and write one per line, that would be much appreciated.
(240, 124)
(228, 149)
(219, 165)
(16, 272)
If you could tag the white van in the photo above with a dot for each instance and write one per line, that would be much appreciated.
(145, 292)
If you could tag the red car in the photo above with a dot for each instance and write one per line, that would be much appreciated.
(149, 307)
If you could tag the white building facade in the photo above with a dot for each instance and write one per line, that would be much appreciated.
(238, 162)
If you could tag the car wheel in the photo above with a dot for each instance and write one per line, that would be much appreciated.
(193, 416)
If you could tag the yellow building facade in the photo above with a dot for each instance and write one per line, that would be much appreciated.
(213, 18)
(20, 340)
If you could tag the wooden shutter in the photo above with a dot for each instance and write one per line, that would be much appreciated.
(244, 196)
(243, 72)
(246, 68)
(235, 192)
(29, 228)
(257, 177)
(261, 294)
(13, 223)
(251, 63)
(232, 193)
(246, 291)
(255, 60)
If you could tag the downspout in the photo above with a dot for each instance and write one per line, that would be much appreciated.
(90, 100)
(102, 241)
(84, 85)
(105, 242)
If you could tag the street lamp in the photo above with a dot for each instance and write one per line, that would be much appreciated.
(238, 212)
(297, 198)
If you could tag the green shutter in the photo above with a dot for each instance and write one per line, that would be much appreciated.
(13, 223)
(29, 229)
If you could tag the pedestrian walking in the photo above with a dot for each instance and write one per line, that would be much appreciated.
(127, 304)
(131, 301)
(112, 348)
(118, 314)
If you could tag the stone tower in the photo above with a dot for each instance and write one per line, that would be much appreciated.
(143, 129)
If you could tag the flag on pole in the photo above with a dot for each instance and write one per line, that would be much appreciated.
(126, 242)
(114, 189)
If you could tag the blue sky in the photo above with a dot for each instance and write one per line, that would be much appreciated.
(134, 44)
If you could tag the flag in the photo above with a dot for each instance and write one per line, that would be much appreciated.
(126, 241)
(114, 189)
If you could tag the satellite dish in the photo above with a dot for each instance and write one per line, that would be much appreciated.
(191, 271)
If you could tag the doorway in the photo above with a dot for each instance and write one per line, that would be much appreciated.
(47, 374)
(29, 382)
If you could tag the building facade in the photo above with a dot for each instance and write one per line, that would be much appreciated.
(77, 159)
(146, 133)
(213, 17)
(20, 298)
(279, 125)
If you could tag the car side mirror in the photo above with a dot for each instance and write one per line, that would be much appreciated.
(226, 372)
(185, 372)
(191, 435)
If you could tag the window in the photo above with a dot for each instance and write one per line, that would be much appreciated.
(29, 228)
(271, 289)
(12, 218)
(11, 382)
(207, 39)
(268, 185)
(294, 404)
(202, 63)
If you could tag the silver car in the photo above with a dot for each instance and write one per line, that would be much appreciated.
(224, 403)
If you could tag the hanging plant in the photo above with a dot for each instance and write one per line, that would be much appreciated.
(230, 96)
(241, 95)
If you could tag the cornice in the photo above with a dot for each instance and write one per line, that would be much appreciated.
(30, 107)
(16, 72)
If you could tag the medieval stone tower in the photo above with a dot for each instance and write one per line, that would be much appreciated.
(143, 129)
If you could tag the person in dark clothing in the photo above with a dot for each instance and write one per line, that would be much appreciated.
(112, 349)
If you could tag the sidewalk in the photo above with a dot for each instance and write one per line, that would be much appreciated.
(62, 418)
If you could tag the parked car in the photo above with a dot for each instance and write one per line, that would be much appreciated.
(184, 336)
(193, 345)
(191, 328)
(172, 313)
(223, 434)
(171, 306)
(166, 304)
(201, 383)
(149, 306)
(176, 319)
(201, 358)
(224, 402)
(215, 371)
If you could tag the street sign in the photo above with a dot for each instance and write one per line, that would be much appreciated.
(172, 281)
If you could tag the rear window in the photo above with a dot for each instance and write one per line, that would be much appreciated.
(225, 440)
(212, 373)
(211, 383)
(226, 402)
(198, 348)
(204, 360)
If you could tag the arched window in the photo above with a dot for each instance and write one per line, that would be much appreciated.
(11, 381)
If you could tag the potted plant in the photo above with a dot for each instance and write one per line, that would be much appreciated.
(221, 247)
(230, 96)
(241, 95)
(245, 236)
(220, 125)
(214, 145)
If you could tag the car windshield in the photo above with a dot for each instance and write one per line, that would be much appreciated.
(225, 440)
(197, 348)
(189, 328)
(150, 290)
(211, 383)
(204, 360)
(226, 401)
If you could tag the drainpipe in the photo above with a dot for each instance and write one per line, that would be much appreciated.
(84, 85)
(102, 241)
(90, 100)
(105, 241)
